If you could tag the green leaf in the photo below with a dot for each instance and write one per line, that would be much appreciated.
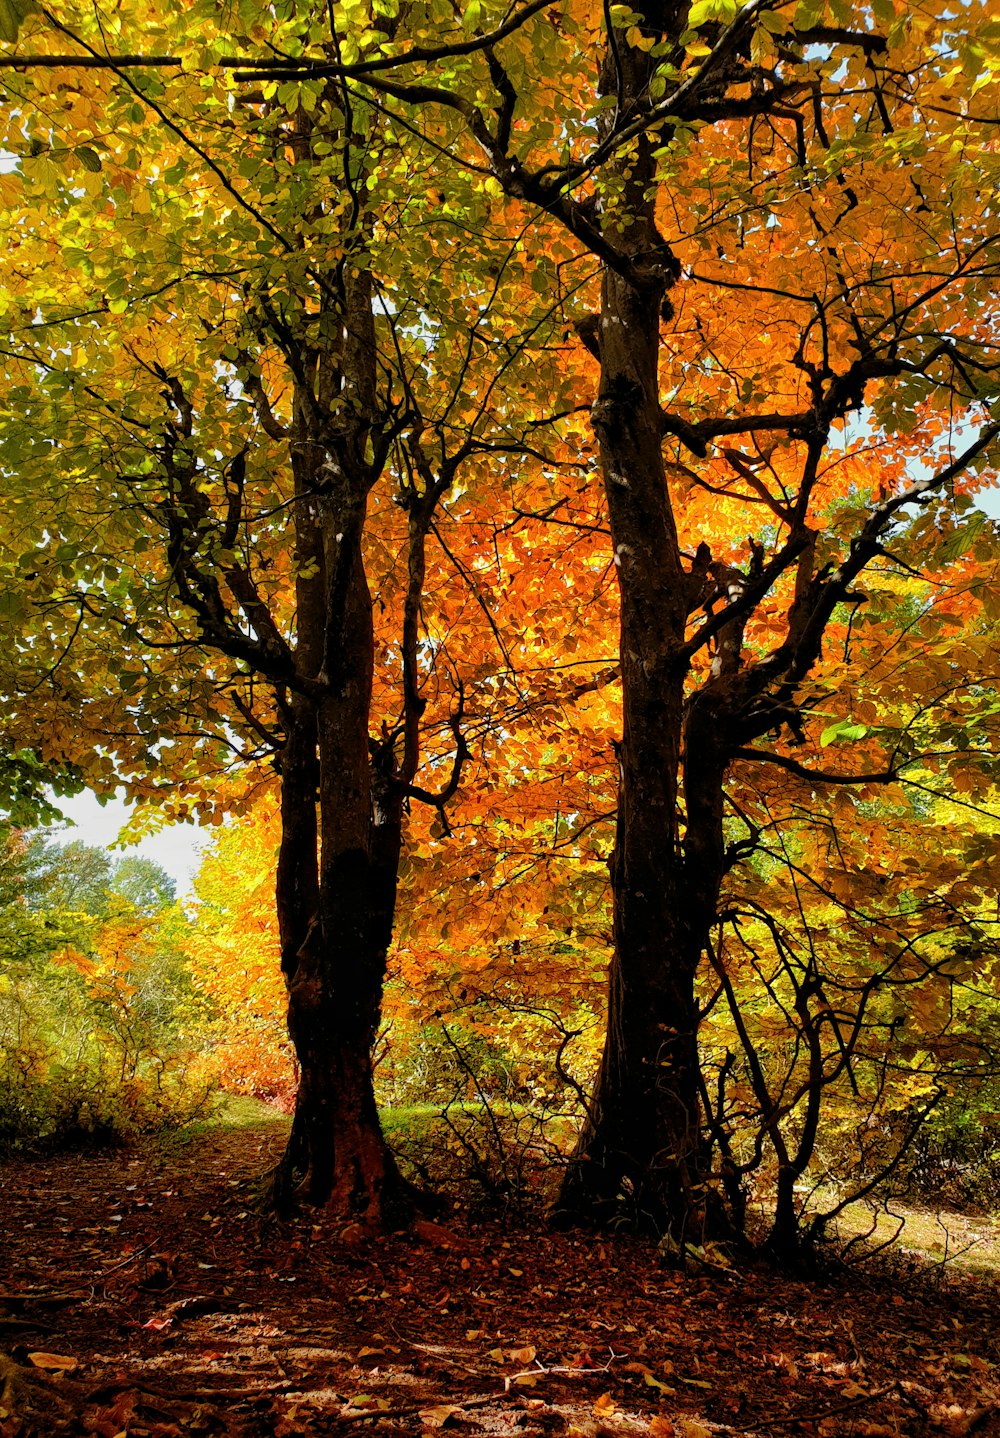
(12, 16)
(704, 10)
(843, 729)
(89, 159)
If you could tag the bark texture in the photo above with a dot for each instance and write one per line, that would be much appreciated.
(341, 818)
(639, 1151)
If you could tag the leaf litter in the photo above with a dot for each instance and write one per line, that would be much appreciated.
(192, 1316)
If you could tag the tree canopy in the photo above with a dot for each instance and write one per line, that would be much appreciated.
(536, 454)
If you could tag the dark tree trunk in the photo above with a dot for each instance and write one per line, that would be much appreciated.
(639, 1152)
(341, 823)
(335, 905)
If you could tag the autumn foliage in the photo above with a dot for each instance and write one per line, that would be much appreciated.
(521, 474)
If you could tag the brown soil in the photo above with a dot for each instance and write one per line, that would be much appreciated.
(140, 1295)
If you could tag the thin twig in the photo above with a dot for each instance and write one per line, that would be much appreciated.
(817, 1413)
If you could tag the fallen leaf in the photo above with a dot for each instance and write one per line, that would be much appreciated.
(690, 1428)
(368, 1403)
(159, 1324)
(654, 1382)
(439, 1416)
(605, 1406)
(662, 1428)
(522, 1355)
(435, 1234)
(53, 1362)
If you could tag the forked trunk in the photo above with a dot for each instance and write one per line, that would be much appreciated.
(336, 924)
(637, 1156)
(336, 1158)
(341, 819)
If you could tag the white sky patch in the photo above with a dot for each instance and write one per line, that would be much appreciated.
(988, 500)
(177, 848)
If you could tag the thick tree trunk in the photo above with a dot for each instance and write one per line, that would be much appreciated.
(638, 1155)
(337, 1158)
(336, 924)
(340, 838)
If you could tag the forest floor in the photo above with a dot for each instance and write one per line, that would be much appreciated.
(140, 1295)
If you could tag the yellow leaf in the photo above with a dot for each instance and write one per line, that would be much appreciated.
(605, 1406)
(654, 1382)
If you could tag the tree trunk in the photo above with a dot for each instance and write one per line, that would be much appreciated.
(638, 1153)
(336, 923)
(340, 838)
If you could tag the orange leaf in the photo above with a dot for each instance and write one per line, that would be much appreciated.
(53, 1362)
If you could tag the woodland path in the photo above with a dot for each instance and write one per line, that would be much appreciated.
(154, 1303)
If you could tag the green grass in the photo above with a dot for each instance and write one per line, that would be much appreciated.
(971, 1242)
(228, 1111)
(241, 1111)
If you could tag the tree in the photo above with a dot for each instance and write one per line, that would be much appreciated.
(798, 287)
(142, 883)
(795, 371)
(234, 952)
(271, 402)
(78, 877)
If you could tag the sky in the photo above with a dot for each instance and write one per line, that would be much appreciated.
(177, 848)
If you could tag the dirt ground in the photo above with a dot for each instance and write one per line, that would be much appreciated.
(139, 1295)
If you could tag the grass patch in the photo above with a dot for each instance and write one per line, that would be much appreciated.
(971, 1242)
(229, 1112)
(241, 1111)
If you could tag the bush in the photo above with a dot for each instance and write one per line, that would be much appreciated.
(954, 1161)
(92, 1045)
(499, 1154)
(98, 1095)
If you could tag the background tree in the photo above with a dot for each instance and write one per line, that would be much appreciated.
(100, 1027)
(80, 877)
